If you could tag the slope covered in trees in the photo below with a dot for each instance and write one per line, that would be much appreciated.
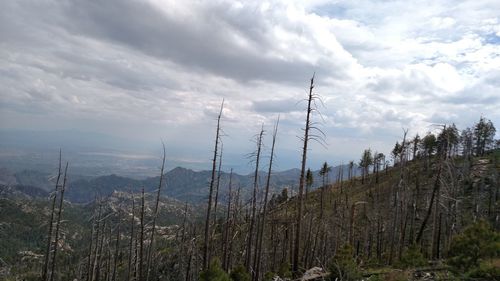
(423, 208)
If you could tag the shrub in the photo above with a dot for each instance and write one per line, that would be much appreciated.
(473, 252)
(269, 276)
(214, 273)
(344, 266)
(240, 274)
(284, 271)
(412, 258)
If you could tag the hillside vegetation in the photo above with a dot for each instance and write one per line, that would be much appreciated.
(433, 214)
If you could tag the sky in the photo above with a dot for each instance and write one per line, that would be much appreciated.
(151, 70)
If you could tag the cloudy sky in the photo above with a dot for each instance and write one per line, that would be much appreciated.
(142, 71)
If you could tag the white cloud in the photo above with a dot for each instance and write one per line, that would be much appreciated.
(161, 68)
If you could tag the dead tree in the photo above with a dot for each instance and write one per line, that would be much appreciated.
(92, 263)
(227, 229)
(311, 106)
(58, 223)
(248, 252)
(141, 238)
(325, 169)
(131, 242)
(431, 203)
(89, 262)
(117, 248)
(235, 216)
(51, 222)
(216, 202)
(155, 215)
(260, 236)
(212, 180)
(98, 259)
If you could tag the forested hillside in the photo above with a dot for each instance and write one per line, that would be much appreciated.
(416, 218)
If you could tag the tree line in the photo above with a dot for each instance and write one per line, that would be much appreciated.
(433, 190)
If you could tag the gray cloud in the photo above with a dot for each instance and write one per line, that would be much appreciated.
(152, 69)
(275, 106)
(199, 41)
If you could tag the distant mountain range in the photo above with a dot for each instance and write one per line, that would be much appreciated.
(180, 183)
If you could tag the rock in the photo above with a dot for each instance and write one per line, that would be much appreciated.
(314, 274)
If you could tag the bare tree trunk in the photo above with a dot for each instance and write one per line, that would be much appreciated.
(131, 242)
(155, 215)
(98, 228)
(136, 254)
(190, 257)
(260, 237)
(414, 209)
(216, 202)
(248, 257)
(394, 227)
(51, 222)
(209, 207)
(227, 229)
(306, 253)
(141, 238)
(435, 227)
(438, 237)
(431, 204)
(89, 263)
(108, 255)
(402, 233)
(58, 223)
(117, 249)
(300, 203)
(99, 254)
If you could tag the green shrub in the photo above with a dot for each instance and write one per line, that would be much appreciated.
(269, 276)
(344, 266)
(284, 271)
(240, 274)
(486, 271)
(412, 258)
(214, 273)
(474, 251)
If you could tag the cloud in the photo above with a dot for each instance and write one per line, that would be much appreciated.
(275, 106)
(151, 69)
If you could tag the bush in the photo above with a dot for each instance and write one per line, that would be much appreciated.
(240, 274)
(269, 276)
(214, 273)
(412, 258)
(344, 266)
(284, 271)
(486, 271)
(472, 253)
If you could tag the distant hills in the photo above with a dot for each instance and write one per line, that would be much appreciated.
(180, 183)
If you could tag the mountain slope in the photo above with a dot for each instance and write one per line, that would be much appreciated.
(180, 183)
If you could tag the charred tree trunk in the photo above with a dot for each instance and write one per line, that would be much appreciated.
(89, 262)
(58, 223)
(216, 202)
(117, 249)
(209, 207)
(51, 223)
(248, 257)
(141, 239)
(131, 242)
(431, 204)
(260, 237)
(227, 229)
(300, 203)
(155, 215)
